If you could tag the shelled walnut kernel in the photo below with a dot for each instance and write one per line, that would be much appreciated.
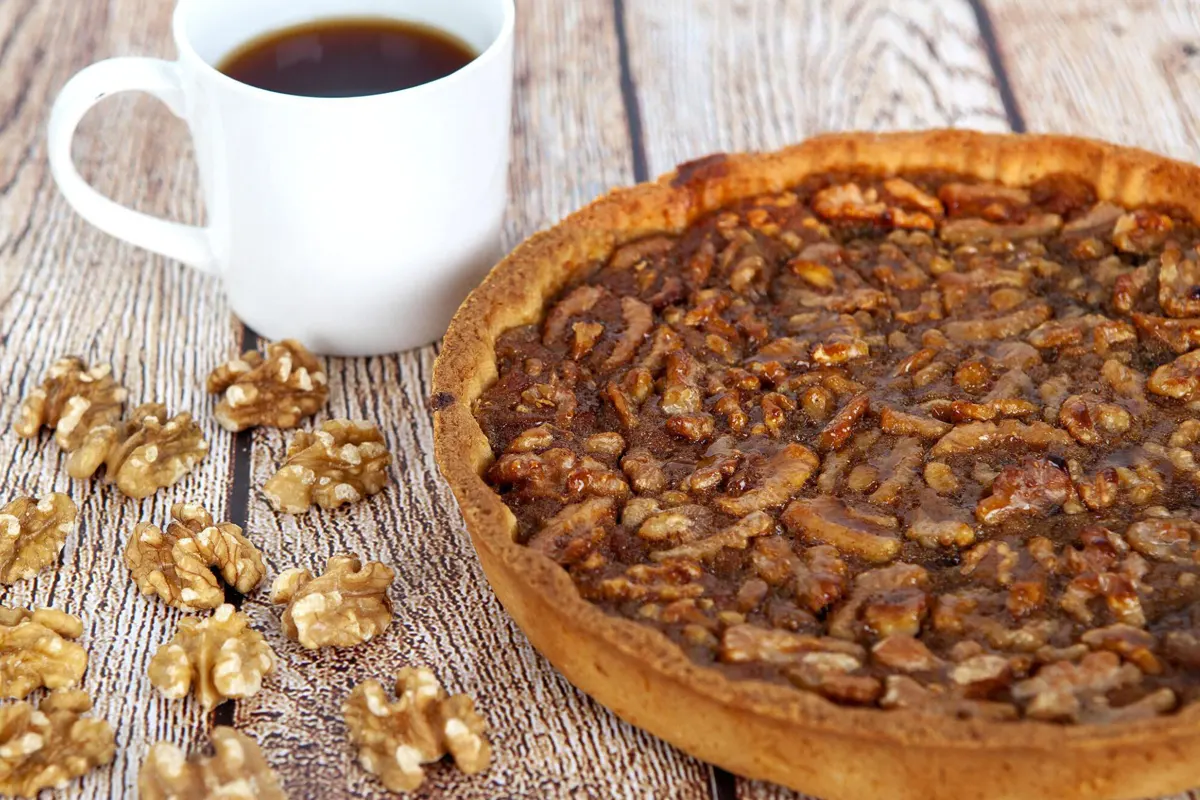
(154, 450)
(32, 534)
(278, 391)
(81, 405)
(423, 725)
(218, 658)
(348, 605)
(148, 451)
(235, 771)
(343, 462)
(178, 564)
(37, 651)
(51, 744)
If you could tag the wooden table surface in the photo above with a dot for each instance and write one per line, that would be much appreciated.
(607, 92)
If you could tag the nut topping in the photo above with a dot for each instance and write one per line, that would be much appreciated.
(784, 474)
(1036, 486)
(1064, 691)
(953, 425)
(1173, 540)
(854, 532)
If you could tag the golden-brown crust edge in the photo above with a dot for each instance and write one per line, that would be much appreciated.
(754, 728)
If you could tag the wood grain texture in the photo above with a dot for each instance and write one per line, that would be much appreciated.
(1127, 72)
(550, 740)
(760, 74)
(67, 288)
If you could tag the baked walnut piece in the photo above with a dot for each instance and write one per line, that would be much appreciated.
(343, 462)
(37, 650)
(235, 771)
(217, 658)
(278, 390)
(348, 605)
(181, 564)
(32, 534)
(82, 405)
(910, 441)
(395, 739)
(51, 744)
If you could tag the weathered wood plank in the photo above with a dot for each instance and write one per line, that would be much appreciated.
(67, 288)
(1124, 72)
(551, 741)
(745, 75)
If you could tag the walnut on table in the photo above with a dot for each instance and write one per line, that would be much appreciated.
(32, 534)
(37, 651)
(51, 744)
(147, 452)
(218, 657)
(422, 726)
(348, 605)
(153, 450)
(343, 462)
(177, 564)
(237, 770)
(278, 390)
(82, 405)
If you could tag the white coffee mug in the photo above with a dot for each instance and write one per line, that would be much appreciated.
(355, 225)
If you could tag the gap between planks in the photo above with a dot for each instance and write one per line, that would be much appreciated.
(238, 505)
(987, 34)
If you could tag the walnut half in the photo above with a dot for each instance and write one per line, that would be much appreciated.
(32, 534)
(235, 771)
(348, 605)
(218, 657)
(50, 745)
(395, 739)
(82, 405)
(37, 651)
(177, 564)
(154, 450)
(279, 390)
(343, 462)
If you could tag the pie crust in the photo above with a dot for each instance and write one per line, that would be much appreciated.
(756, 729)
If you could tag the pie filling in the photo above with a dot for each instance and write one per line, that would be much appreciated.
(908, 442)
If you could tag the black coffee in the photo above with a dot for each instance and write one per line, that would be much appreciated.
(348, 58)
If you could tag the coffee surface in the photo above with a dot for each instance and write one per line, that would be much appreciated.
(348, 58)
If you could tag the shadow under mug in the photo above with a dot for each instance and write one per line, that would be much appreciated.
(356, 225)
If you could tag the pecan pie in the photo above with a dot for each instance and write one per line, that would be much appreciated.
(866, 466)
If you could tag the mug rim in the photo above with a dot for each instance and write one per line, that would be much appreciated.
(489, 54)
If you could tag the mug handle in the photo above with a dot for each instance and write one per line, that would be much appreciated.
(186, 243)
